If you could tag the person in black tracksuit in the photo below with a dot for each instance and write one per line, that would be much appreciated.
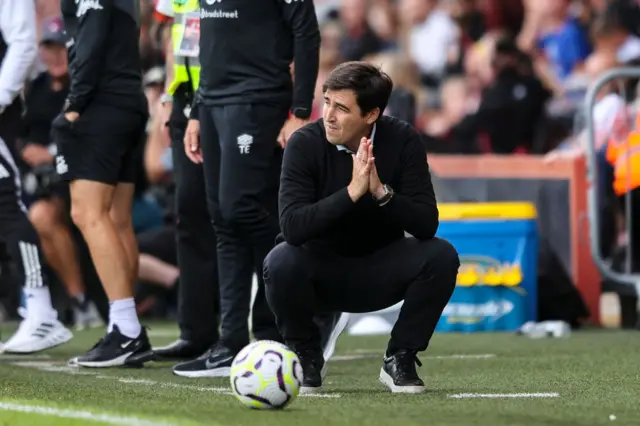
(244, 99)
(198, 287)
(99, 136)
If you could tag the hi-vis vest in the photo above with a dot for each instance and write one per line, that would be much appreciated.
(624, 156)
(185, 36)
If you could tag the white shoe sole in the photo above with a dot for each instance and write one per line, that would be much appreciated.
(387, 380)
(216, 372)
(116, 362)
(58, 337)
(330, 348)
(305, 390)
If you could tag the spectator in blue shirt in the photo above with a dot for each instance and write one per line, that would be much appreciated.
(566, 47)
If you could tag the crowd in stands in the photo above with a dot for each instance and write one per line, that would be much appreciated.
(474, 76)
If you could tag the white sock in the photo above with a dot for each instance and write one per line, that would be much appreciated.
(123, 314)
(38, 302)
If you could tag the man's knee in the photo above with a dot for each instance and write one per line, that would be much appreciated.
(121, 208)
(443, 258)
(122, 220)
(239, 210)
(45, 216)
(283, 265)
(90, 202)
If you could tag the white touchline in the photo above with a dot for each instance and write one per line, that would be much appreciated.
(10, 357)
(79, 415)
(461, 356)
(367, 353)
(506, 395)
(53, 368)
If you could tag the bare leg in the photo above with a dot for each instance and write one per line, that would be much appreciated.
(156, 271)
(57, 244)
(91, 203)
(120, 214)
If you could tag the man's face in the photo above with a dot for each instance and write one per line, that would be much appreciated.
(343, 120)
(55, 57)
(353, 12)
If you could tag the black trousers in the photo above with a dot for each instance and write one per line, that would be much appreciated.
(242, 163)
(196, 242)
(301, 282)
(16, 231)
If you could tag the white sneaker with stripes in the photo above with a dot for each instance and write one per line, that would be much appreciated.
(35, 334)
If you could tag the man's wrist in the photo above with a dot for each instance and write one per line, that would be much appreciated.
(70, 106)
(166, 99)
(354, 194)
(387, 194)
(379, 193)
(301, 113)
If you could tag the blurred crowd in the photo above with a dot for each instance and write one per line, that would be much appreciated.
(473, 76)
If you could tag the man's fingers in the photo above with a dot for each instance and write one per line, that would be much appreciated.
(368, 165)
(194, 156)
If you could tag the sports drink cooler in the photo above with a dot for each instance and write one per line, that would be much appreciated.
(496, 288)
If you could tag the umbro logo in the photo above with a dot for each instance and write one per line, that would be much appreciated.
(244, 143)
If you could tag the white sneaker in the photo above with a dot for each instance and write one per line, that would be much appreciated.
(35, 334)
(89, 317)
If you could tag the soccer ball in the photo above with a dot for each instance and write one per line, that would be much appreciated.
(266, 375)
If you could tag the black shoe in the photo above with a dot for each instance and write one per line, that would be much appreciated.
(216, 362)
(114, 350)
(399, 373)
(312, 364)
(180, 350)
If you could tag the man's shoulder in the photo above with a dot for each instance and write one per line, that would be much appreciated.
(310, 135)
(390, 128)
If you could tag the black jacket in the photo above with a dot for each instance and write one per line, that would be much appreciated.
(247, 46)
(104, 55)
(316, 210)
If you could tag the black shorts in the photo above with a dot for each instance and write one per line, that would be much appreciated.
(103, 145)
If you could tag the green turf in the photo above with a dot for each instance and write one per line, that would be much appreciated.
(595, 373)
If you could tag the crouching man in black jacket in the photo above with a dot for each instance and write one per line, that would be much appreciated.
(352, 183)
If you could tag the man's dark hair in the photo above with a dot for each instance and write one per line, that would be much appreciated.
(370, 84)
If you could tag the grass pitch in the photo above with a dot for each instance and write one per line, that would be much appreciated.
(591, 378)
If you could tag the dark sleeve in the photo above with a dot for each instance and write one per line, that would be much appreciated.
(413, 207)
(301, 17)
(302, 216)
(93, 29)
(195, 107)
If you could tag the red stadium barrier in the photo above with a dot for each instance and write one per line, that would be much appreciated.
(585, 274)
